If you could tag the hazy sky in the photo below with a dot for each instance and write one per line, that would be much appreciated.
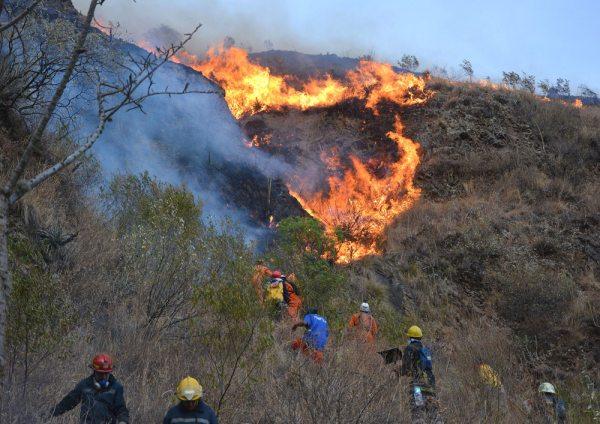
(547, 38)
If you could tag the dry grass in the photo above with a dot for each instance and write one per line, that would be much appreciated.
(510, 183)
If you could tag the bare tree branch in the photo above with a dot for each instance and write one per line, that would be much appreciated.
(19, 17)
(26, 186)
(36, 135)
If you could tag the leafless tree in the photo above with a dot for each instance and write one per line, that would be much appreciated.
(467, 68)
(14, 20)
(127, 91)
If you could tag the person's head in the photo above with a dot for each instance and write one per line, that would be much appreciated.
(312, 310)
(276, 274)
(102, 365)
(189, 393)
(547, 391)
(414, 333)
(364, 307)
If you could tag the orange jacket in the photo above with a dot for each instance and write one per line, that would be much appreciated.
(293, 299)
(364, 326)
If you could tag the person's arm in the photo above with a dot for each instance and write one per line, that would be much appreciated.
(214, 419)
(121, 412)
(70, 401)
(299, 324)
(374, 326)
(353, 321)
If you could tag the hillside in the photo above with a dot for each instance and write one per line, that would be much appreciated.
(471, 211)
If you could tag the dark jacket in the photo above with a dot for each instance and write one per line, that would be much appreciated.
(411, 365)
(554, 413)
(105, 406)
(203, 414)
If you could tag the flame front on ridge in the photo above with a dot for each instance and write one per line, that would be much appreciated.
(359, 205)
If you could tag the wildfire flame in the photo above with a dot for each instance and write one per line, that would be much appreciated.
(251, 88)
(358, 205)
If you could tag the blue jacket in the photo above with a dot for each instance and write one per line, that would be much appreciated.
(105, 406)
(318, 331)
(203, 414)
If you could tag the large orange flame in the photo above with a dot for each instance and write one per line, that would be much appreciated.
(358, 205)
(251, 88)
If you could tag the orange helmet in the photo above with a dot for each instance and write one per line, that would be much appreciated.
(276, 274)
(102, 363)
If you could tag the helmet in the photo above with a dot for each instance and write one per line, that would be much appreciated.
(364, 307)
(414, 332)
(102, 363)
(547, 388)
(189, 389)
(276, 274)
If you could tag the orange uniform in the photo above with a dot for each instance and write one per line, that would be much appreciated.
(364, 326)
(314, 354)
(294, 302)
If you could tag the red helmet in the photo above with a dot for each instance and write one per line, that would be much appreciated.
(102, 363)
(276, 274)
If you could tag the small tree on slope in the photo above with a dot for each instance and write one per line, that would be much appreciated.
(127, 92)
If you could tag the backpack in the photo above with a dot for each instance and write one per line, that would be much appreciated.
(425, 363)
(286, 292)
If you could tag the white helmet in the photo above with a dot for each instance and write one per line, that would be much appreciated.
(364, 307)
(547, 388)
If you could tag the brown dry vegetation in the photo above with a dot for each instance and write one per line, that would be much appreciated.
(507, 234)
(498, 261)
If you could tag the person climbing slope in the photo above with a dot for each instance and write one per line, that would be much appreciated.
(363, 326)
(548, 406)
(315, 337)
(274, 293)
(291, 296)
(191, 408)
(100, 395)
(417, 365)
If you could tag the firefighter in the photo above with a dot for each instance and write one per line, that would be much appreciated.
(363, 326)
(417, 365)
(315, 337)
(100, 395)
(291, 296)
(191, 408)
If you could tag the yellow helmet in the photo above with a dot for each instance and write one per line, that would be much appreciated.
(189, 389)
(414, 332)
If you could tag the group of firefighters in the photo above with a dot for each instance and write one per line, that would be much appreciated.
(102, 400)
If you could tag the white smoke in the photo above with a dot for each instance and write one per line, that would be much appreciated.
(177, 138)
